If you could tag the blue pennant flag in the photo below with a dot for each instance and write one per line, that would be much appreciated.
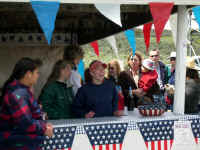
(196, 11)
(81, 68)
(131, 38)
(46, 13)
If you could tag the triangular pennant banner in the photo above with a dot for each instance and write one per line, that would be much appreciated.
(160, 13)
(131, 38)
(60, 133)
(46, 12)
(110, 11)
(195, 124)
(147, 33)
(81, 68)
(157, 134)
(81, 141)
(196, 11)
(107, 132)
(183, 138)
(112, 41)
(95, 47)
(133, 138)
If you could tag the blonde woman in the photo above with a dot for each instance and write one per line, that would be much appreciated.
(113, 74)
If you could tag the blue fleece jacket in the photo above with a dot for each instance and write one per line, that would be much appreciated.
(101, 99)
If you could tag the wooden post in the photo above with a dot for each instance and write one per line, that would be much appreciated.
(181, 53)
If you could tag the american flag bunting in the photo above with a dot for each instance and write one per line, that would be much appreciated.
(158, 135)
(106, 136)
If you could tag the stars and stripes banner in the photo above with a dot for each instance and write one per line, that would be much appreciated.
(106, 136)
(158, 135)
(62, 139)
(195, 124)
(145, 134)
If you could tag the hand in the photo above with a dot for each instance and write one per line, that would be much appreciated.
(139, 92)
(118, 113)
(90, 114)
(49, 130)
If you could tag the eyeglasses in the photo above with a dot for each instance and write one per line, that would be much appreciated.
(154, 55)
(172, 59)
(111, 68)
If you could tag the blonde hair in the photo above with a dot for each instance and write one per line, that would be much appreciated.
(116, 64)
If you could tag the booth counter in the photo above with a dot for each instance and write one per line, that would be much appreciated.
(169, 131)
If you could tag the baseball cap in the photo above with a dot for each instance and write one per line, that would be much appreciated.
(95, 64)
(148, 63)
(172, 54)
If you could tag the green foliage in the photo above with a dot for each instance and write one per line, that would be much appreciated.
(166, 45)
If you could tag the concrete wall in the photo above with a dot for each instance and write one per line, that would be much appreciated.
(9, 55)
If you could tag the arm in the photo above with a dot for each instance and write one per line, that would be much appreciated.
(21, 114)
(78, 104)
(115, 100)
(47, 97)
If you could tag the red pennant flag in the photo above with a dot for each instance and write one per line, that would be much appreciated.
(160, 13)
(95, 47)
(147, 33)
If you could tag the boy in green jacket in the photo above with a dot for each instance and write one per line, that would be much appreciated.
(56, 97)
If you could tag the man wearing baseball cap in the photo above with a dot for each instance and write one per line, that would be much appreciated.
(98, 97)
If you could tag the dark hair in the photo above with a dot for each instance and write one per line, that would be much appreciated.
(191, 73)
(87, 75)
(72, 52)
(24, 65)
(55, 74)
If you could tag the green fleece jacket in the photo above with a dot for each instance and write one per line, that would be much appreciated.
(56, 99)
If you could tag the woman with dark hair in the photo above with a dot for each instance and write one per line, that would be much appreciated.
(73, 54)
(192, 88)
(56, 96)
(21, 124)
(98, 97)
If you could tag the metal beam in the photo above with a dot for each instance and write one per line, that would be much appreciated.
(135, 2)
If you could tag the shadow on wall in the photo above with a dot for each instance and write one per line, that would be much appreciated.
(10, 55)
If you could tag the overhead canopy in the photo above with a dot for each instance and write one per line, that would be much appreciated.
(82, 19)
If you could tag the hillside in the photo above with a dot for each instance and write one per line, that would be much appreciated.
(106, 53)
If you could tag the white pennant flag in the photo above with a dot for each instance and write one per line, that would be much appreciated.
(81, 141)
(111, 11)
(133, 139)
(173, 25)
(112, 41)
(183, 136)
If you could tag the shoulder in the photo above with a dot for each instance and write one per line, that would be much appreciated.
(51, 85)
(109, 83)
(75, 74)
(162, 64)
